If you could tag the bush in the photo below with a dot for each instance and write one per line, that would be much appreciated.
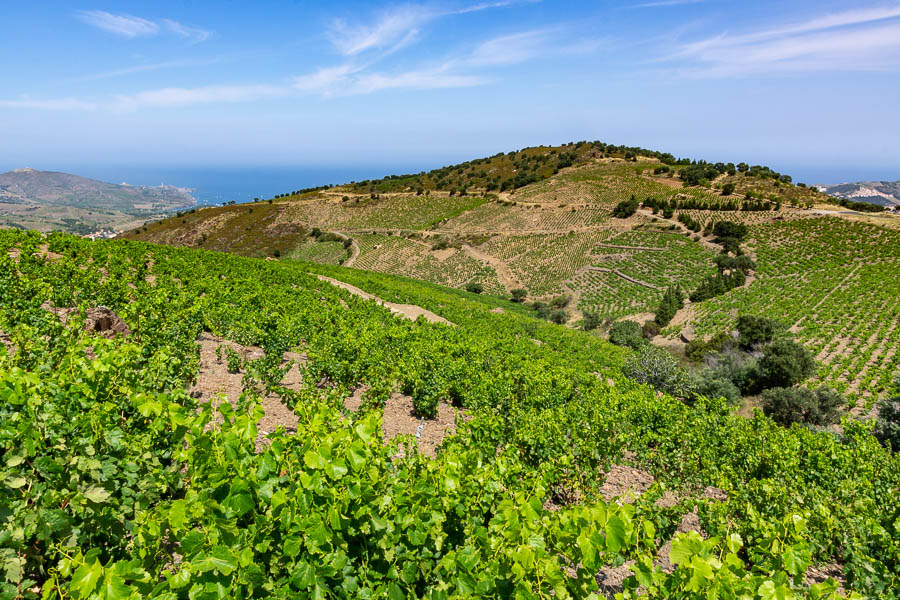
(541, 308)
(233, 360)
(626, 208)
(650, 330)
(559, 316)
(518, 295)
(672, 301)
(316, 232)
(729, 229)
(727, 189)
(714, 383)
(561, 301)
(784, 364)
(626, 333)
(756, 331)
(474, 287)
(802, 405)
(657, 367)
(887, 427)
(591, 321)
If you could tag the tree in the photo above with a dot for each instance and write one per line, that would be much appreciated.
(626, 208)
(650, 330)
(672, 301)
(591, 321)
(727, 189)
(518, 294)
(887, 427)
(657, 367)
(754, 330)
(713, 383)
(559, 316)
(474, 287)
(787, 405)
(729, 229)
(626, 333)
(784, 363)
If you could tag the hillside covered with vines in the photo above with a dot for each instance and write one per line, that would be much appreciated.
(118, 481)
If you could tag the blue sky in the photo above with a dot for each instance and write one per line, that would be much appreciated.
(808, 87)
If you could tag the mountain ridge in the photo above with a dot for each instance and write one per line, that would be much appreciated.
(55, 200)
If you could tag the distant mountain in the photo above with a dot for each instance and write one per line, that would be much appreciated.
(46, 200)
(882, 193)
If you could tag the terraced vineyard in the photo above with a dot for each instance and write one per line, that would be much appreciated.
(835, 282)
(557, 236)
(182, 423)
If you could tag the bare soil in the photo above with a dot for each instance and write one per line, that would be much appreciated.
(213, 379)
(400, 419)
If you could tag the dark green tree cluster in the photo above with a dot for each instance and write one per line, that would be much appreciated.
(626, 208)
(672, 301)
(887, 428)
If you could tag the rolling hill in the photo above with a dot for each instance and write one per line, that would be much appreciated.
(882, 193)
(46, 200)
(541, 220)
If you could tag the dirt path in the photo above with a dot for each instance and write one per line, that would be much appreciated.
(632, 247)
(354, 253)
(504, 274)
(409, 311)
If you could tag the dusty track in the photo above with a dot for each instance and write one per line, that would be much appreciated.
(504, 274)
(408, 311)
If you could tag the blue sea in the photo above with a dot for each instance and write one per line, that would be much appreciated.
(214, 185)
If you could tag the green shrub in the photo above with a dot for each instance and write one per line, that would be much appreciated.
(887, 427)
(626, 333)
(518, 295)
(785, 363)
(755, 330)
(650, 330)
(474, 287)
(591, 321)
(657, 367)
(714, 383)
(559, 316)
(802, 405)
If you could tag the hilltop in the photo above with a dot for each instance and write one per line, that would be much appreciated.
(47, 200)
(543, 221)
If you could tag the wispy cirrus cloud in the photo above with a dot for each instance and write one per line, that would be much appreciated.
(130, 26)
(144, 68)
(126, 26)
(664, 3)
(28, 103)
(861, 39)
(364, 48)
(398, 26)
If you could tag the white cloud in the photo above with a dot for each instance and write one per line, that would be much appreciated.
(510, 49)
(664, 3)
(398, 26)
(180, 97)
(123, 25)
(143, 68)
(28, 103)
(859, 39)
(129, 26)
(194, 34)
